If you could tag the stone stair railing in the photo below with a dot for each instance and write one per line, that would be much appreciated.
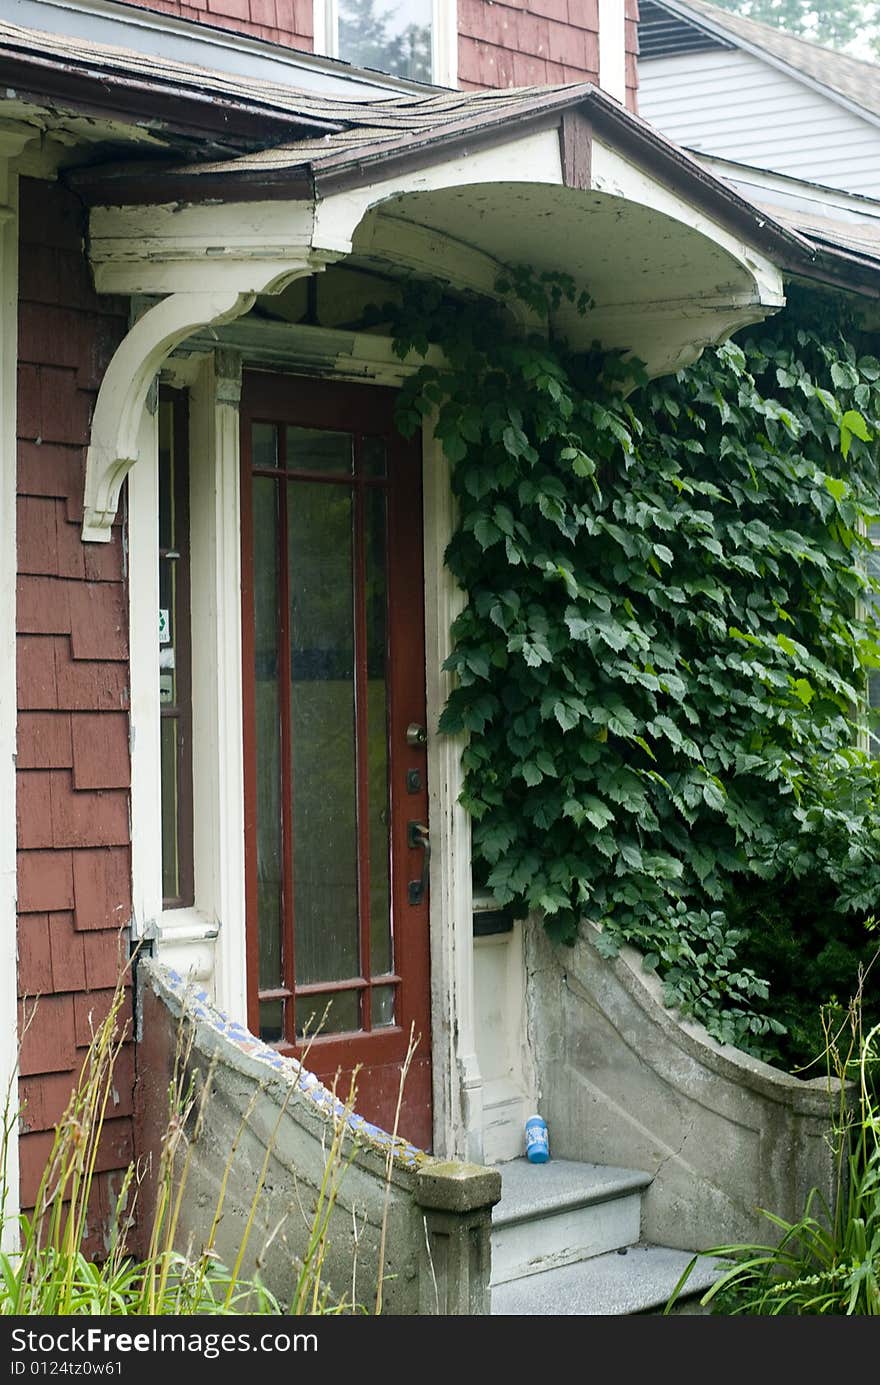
(259, 1140)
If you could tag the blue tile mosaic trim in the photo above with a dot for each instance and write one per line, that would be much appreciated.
(195, 1003)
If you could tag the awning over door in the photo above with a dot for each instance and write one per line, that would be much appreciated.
(452, 185)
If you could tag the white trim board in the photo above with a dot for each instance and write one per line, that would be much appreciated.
(8, 708)
(12, 141)
(612, 49)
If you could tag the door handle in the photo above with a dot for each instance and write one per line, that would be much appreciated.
(417, 835)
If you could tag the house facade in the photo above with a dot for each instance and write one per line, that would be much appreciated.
(227, 610)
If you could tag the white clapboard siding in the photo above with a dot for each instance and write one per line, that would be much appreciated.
(737, 107)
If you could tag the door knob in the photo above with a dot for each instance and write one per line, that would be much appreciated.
(415, 734)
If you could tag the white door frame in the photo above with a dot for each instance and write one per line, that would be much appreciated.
(208, 942)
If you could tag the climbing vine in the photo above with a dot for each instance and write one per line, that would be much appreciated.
(662, 663)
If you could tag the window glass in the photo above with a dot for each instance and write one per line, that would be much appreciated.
(174, 652)
(322, 859)
(390, 35)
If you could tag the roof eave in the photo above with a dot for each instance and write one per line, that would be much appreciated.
(153, 103)
(323, 175)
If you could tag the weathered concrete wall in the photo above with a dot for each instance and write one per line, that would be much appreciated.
(623, 1081)
(262, 1108)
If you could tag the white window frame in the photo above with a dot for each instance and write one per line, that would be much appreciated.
(444, 37)
(206, 941)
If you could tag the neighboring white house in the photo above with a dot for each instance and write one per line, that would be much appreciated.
(748, 93)
(793, 126)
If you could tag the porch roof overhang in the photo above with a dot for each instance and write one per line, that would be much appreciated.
(455, 186)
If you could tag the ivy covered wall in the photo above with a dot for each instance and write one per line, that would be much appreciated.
(663, 660)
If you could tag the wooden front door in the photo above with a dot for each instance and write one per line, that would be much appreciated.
(336, 794)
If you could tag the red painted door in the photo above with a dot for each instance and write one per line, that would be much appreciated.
(335, 764)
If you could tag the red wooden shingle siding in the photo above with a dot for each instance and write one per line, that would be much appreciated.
(516, 43)
(289, 22)
(73, 774)
(501, 43)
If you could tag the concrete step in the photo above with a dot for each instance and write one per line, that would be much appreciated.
(561, 1212)
(636, 1279)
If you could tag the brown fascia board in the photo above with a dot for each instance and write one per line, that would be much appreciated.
(149, 183)
(352, 168)
(123, 185)
(839, 269)
(131, 184)
(161, 106)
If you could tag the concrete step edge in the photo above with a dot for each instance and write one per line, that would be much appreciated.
(529, 1197)
(640, 1280)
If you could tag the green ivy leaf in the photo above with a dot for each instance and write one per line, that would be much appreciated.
(486, 532)
(596, 812)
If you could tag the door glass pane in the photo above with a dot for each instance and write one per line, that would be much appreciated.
(314, 449)
(170, 864)
(341, 1013)
(373, 462)
(173, 651)
(377, 731)
(271, 1021)
(390, 35)
(325, 880)
(383, 1005)
(267, 730)
(264, 445)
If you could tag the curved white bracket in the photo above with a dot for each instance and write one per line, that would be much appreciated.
(113, 449)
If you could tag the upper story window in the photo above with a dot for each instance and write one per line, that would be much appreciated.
(407, 38)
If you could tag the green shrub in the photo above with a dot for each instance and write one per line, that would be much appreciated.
(662, 664)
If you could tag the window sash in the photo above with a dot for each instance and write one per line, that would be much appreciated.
(444, 37)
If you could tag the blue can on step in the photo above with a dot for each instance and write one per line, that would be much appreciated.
(537, 1140)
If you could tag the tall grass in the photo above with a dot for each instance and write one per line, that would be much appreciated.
(51, 1273)
(828, 1260)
